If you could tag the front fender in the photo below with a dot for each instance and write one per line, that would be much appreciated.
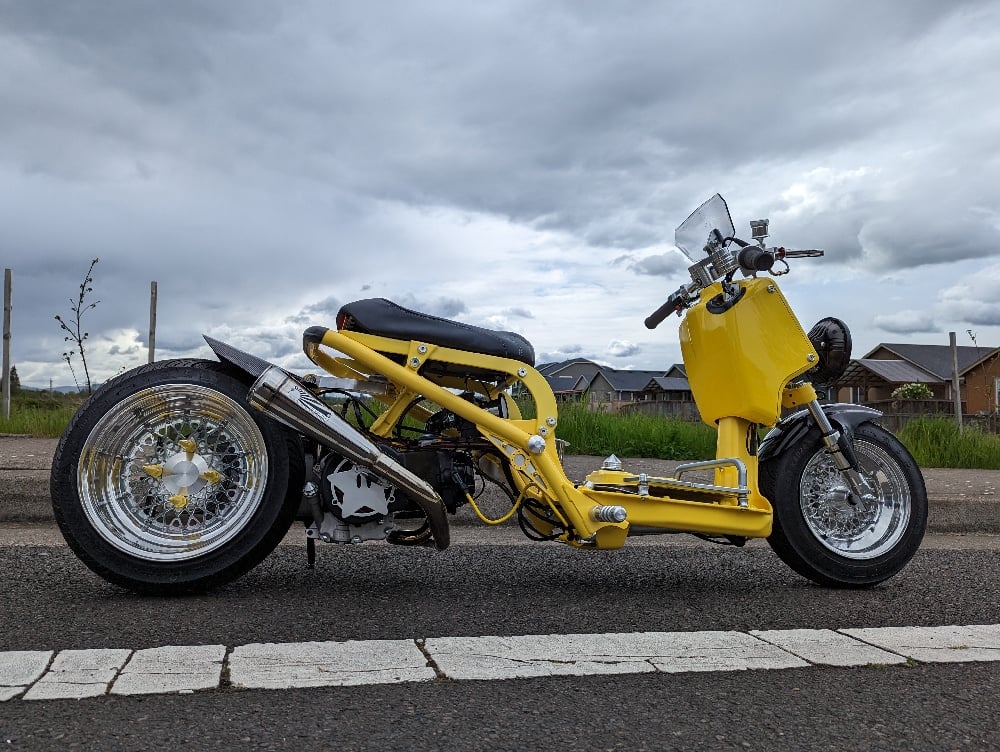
(793, 429)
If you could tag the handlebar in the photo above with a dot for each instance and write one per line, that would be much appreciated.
(755, 258)
(751, 258)
(676, 302)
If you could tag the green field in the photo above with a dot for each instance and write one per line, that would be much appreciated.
(933, 442)
(937, 442)
(41, 414)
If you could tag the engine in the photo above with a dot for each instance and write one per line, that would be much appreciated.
(351, 504)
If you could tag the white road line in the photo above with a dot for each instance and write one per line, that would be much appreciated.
(828, 648)
(979, 642)
(171, 669)
(19, 668)
(76, 674)
(577, 655)
(326, 664)
(35, 675)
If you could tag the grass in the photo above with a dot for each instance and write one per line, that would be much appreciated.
(933, 442)
(40, 414)
(636, 435)
(936, 442)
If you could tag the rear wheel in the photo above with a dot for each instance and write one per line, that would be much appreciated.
(824, 532)
(166, 482)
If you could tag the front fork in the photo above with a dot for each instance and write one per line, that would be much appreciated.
(839, 447)
(838, 443)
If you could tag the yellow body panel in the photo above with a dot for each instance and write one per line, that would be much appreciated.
(739, 361)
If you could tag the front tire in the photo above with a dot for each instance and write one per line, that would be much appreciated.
(166, 482)
(824, 533)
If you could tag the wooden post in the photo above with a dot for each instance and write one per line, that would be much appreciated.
(7, 291)
(955, 390)
(152, 320)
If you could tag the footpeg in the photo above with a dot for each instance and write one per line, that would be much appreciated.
(609, 514)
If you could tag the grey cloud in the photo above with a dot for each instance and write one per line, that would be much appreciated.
(239, 151)
(661, 265)
(116, 350)
(448, 308)
(561, 140)
(974, 299)
(323, 310)
(907, 322)
(563, 352)
(521, 313)
(623, 349)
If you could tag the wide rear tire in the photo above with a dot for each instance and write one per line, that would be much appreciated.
(823, 533)
(166, 482)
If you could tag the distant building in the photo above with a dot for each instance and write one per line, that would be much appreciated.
(616, 390)
(873, 378)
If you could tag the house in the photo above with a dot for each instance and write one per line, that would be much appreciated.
(873, 378)
(614, 390)
(569, 379)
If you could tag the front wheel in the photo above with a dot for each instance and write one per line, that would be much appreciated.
(828, 535)
(165, 481)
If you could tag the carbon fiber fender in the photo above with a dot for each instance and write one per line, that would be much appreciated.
(844, 416)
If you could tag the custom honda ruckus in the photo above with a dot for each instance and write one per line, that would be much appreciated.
(184, 474)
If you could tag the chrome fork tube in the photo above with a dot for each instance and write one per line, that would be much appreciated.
(832, 440)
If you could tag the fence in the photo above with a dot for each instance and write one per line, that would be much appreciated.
(897, 413)
(678, 409)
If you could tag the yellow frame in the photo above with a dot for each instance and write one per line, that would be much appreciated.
(539, 473)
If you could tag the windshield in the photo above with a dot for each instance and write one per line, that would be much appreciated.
(692, 236)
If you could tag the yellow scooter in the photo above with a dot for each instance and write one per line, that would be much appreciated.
(181, 475)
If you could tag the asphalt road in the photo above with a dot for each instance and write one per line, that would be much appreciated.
(50, 601)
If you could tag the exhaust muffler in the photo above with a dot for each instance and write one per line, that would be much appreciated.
(278, 395)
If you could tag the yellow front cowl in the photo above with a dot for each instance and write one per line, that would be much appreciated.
(738, 361)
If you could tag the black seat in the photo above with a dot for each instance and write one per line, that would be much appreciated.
(384, 318)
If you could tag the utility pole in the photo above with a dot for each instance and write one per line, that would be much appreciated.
(152, 319)
(7, 290)
(955, 391)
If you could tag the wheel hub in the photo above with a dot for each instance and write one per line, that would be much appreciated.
(183, 473)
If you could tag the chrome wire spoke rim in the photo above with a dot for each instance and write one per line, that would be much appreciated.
(172, 472)
(856, 529)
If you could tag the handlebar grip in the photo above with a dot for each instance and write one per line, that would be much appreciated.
(756, 259)
(674, 303)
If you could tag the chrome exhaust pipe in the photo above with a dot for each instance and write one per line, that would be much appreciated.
(276, 394)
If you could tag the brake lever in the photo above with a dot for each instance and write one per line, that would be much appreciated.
(781, 253)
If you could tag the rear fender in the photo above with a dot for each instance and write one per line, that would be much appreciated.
(844, 416)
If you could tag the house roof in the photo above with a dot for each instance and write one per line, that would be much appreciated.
(935, 359)
(620, 380)
(628, 381)
(671, 383)
(891, 371)
(552, 369)
(561, 384)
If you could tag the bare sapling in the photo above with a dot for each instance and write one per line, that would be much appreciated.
(75, 335)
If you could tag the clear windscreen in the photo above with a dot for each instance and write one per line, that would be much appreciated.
(693, 233)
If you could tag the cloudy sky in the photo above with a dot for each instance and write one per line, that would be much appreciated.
(517, 165)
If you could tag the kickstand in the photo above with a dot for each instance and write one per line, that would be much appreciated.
(310, 553)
